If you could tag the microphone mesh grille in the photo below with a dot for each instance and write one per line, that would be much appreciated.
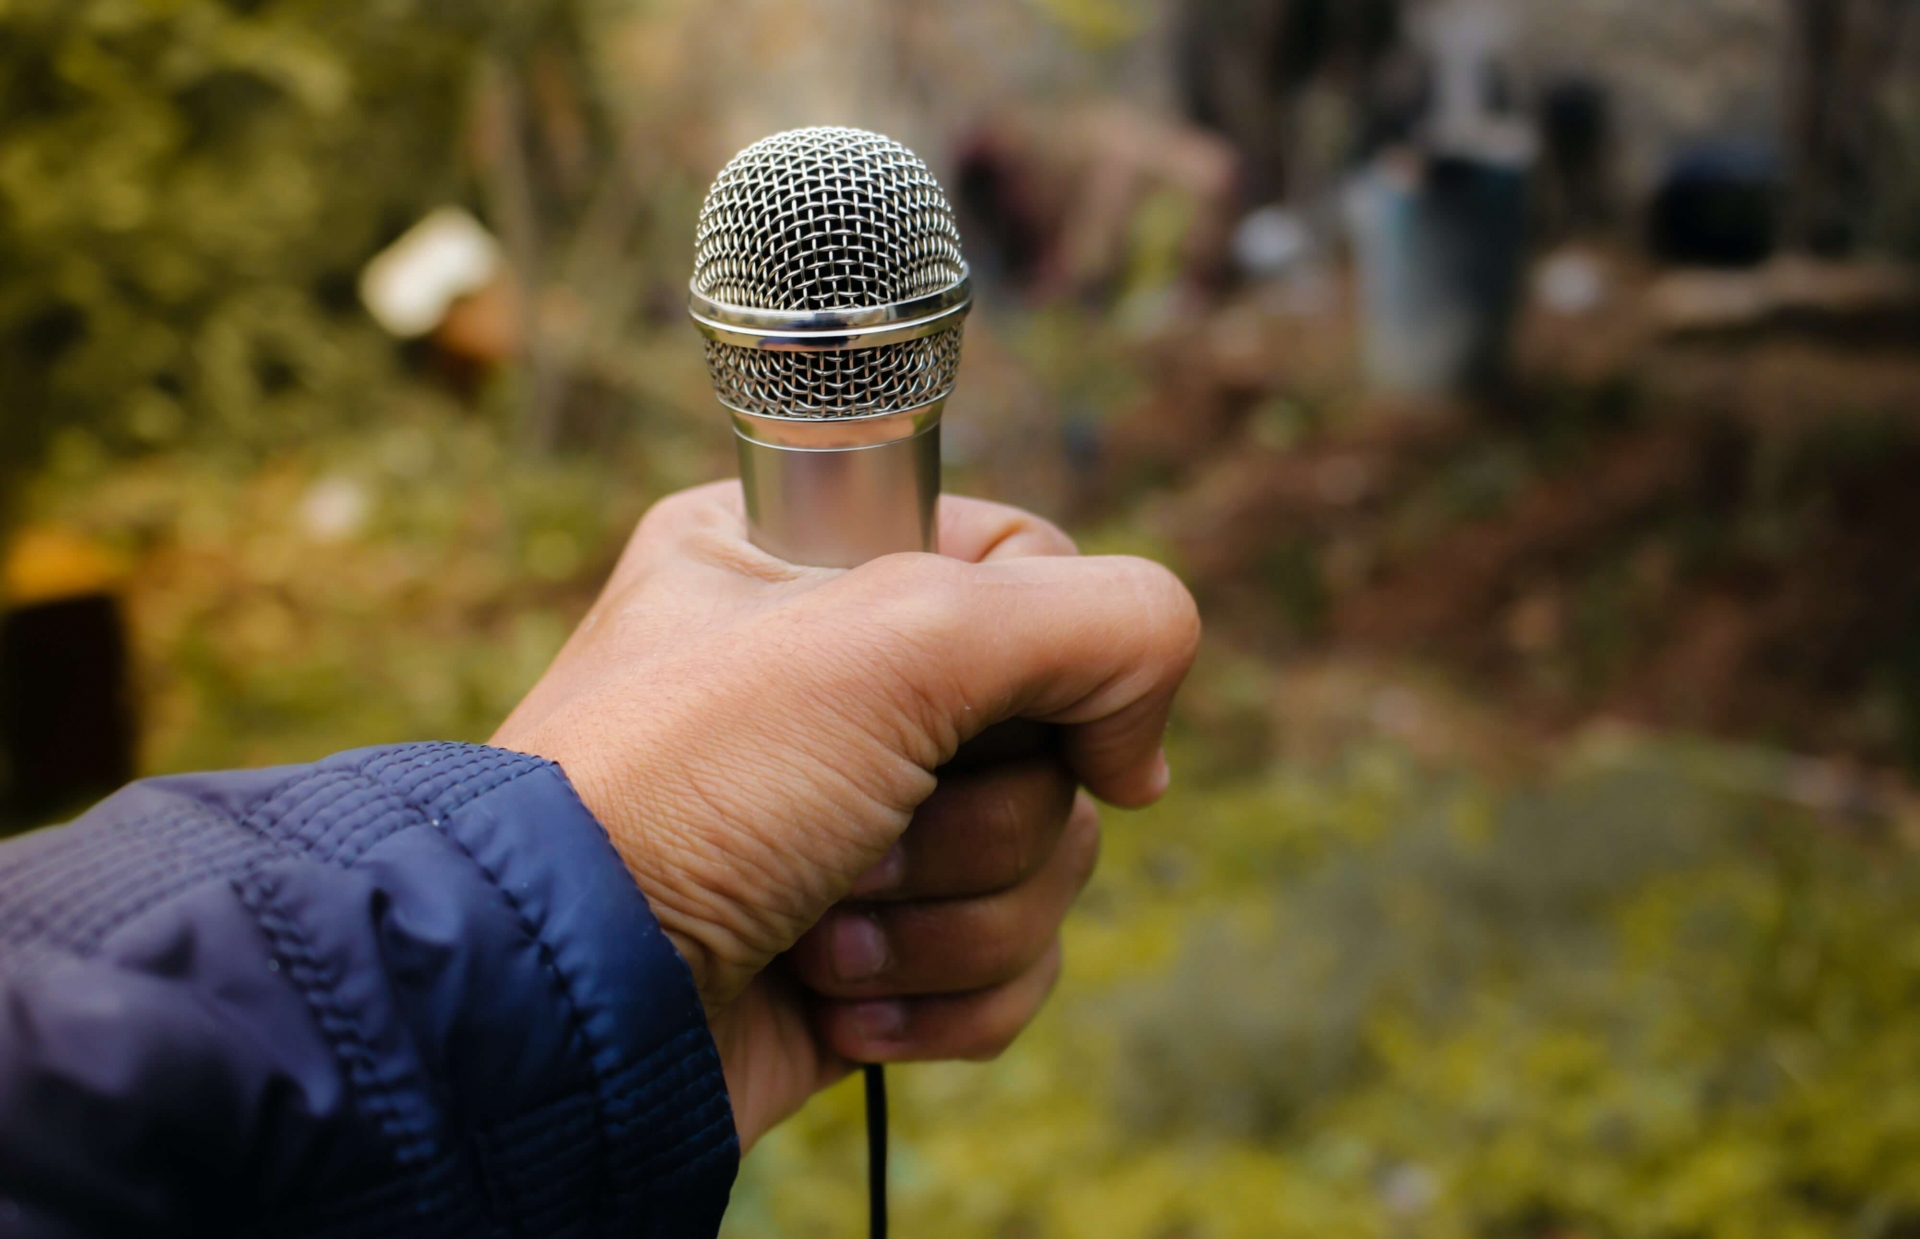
(828, 219)
(857, 383)
(825, 219)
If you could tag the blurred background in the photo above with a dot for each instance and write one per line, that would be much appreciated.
(1529, 391)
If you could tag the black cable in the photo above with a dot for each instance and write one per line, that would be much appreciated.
(877, 1150)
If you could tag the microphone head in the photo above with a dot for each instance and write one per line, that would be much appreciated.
(828, 278)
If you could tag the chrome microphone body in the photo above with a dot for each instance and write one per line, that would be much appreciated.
(832, 294)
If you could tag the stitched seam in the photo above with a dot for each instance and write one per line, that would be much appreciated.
(433, 763)
(677, 1081)
(359, 843)
(353, 850)
(83, 941)
(259, 819)
(255, 832)
(474, 794)
(18, 924)
(575, 1020)
(573, 794)
(685, 1150)
(311, 977)
(57, 863)
(43, 859)
(473, 786)
(354, 814)
(726, 1118)
(562, 984)
(267, 817)
(246, 812)
(671, 1180)
(645, 1063)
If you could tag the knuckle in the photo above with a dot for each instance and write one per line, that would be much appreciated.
(915, 592)
(690, 519)
(913, 572)
(1168, 613)
(905, 613)
(727, 550)
(1003, 530)
(1175, 611)
(678, 508)
(1050, 537)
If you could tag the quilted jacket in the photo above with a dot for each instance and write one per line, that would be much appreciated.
(406, 991)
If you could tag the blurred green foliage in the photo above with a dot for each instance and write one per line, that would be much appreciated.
(188, 189)
(1634, 999)
(1628, 1001)
(374, 584)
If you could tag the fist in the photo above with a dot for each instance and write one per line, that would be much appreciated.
(854, 799)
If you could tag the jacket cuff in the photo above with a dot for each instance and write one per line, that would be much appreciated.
(566, 994)
(660, 1107)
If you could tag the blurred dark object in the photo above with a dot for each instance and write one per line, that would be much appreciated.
(1718, 206)
(1442, 249)
(1245, 65)
(66, 719)
(999, 210)
(1058, 195)
(1399, 96)
(1844, 156)
(1441, 223)
(1576, 136)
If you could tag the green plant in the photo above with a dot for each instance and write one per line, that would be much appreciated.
(188, 189)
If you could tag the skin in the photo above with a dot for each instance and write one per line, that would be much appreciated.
(858, 802)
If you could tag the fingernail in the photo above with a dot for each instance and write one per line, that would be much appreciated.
(859, 948)
(883, 877)
(880, 1021)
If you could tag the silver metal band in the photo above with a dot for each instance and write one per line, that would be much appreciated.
(835, 434)
(841, 507)
(825, 331)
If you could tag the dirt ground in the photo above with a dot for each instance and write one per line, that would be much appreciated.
(1659, 522)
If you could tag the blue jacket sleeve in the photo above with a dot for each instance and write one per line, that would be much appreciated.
(406, 991)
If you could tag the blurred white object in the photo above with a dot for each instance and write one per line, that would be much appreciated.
(1269, 242)
(412, 284)
(1472, 44)
(1570, 283)
(334, 509)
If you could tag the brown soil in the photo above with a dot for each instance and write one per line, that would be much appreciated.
(1709, 533)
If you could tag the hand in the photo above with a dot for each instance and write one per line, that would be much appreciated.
(761, 742)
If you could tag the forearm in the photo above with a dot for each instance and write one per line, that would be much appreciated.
(407, 988)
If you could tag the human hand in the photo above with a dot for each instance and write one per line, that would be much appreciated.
(761, 742)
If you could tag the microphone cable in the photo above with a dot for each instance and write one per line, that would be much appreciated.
(876, 1150)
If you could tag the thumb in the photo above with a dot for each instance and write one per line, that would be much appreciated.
(1097, 646)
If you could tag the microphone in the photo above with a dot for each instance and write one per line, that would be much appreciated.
(829, 284)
